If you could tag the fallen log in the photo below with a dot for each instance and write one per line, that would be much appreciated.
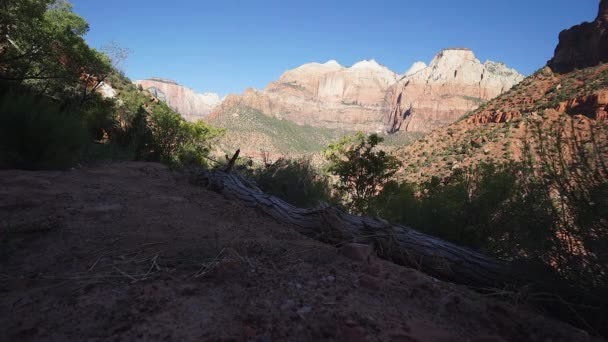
(396, 243)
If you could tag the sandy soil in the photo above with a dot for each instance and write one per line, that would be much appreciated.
(132, 251)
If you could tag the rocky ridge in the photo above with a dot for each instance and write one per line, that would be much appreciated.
(454, 83)
(191, 105)
(569, 105)
(323, 95)
(583, 45)
(370, 97)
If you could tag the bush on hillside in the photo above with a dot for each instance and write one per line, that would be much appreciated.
(36, 133)
(361, 168)
(176, 141)
(295, 181)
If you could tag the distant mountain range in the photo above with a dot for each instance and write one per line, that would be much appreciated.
(366, 96)
(191, 105)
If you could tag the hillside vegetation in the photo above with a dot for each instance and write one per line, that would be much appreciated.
(55, 108)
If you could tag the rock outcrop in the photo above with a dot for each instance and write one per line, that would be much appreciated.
(324, 95)
(369, 97)
(583, 45)
(191, 105)
(454, 83)
(106, 90)
(593, 106)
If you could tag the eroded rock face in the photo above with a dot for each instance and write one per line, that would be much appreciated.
(454, 83)
(191, 105)
(583, 45)
(324, 95)
(369, 97)
(594, 106)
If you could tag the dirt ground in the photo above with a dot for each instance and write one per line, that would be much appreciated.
(133, 252)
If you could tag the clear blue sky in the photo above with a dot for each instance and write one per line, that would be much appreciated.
(225, 46)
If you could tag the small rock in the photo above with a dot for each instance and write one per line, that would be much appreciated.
(288, 304)
(369, 282)
(304, 310)
(353, 334)
(488, 339)
(372, 270)
(330, 278)
(265, 338)
(188, 290)
(249, 332)
(357, 251)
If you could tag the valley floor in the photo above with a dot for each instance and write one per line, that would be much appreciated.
(133, 251)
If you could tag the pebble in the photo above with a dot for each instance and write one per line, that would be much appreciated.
(288, 304)
(357, 251)
(304, 310)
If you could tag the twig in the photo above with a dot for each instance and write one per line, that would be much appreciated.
(125, 274)
(231, 162)
(203, 270)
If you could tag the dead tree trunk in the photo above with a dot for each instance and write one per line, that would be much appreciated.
(397, 243)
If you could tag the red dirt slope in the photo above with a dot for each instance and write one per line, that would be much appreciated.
(132, 251)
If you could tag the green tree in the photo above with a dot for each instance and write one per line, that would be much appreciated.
(42, 46)
(177, 141)
(362, 170)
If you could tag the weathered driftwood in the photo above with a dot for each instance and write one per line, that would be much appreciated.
(397, 243)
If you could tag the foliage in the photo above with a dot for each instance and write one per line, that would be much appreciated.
(36, 133)
(545, 215)
(42, 46)
(362, 171)
(43, 55)
(284, 136)
(177, 141)
(295, 181)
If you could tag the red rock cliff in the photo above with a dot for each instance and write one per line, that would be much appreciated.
(583, 45)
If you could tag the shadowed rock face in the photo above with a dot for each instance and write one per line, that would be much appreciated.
(455, 82)
(583, 45)
(192, 106)
(369, 97)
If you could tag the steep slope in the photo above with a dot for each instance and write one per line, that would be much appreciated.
(544, 105)
(454, 83)
(133, 252)
(369, 97)
(262, 137)
(547, 108)
(191, 105)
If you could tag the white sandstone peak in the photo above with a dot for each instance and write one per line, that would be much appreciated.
(333, 63)
(417, 66)
(454, 57)
(368, 64)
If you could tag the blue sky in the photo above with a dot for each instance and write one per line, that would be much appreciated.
(225, 46)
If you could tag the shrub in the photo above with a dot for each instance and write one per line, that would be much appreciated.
(295, 181)
(35, 133)
(361, 169)
(176, 141)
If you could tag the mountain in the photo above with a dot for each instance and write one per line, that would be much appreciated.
(323, 95)
(370, 97)
(191, 105)
(564, 104)
(454, 83)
